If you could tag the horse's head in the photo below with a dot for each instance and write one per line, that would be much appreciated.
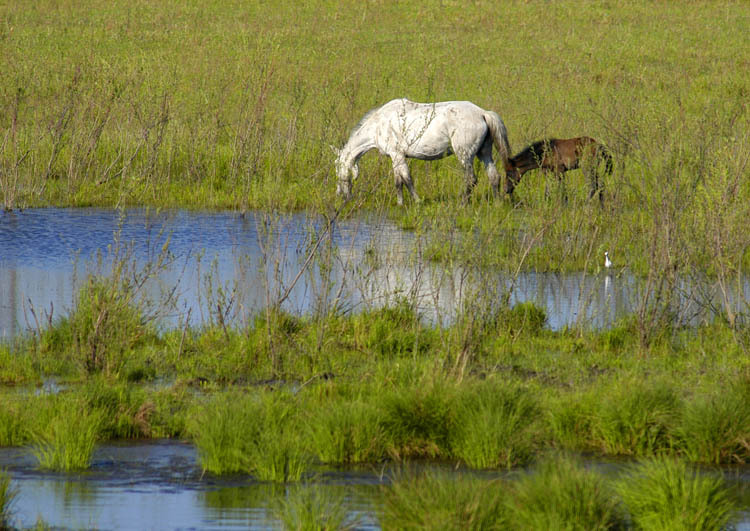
(343, 166)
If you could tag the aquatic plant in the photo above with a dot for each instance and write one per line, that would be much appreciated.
(569, 418)
(664, 493)
(7, 495)
(67, 443)
(346, 431)
(310, 507)
(560, 493)
(492, 426)
(256, 434)
(434, 499)
(12, 425)
(635, 418)
(418, 420)
(715, 427)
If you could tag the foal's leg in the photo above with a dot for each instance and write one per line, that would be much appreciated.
(560, 174)
(593, 176)
(485, 155)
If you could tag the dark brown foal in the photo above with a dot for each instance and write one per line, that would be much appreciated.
(560, 155)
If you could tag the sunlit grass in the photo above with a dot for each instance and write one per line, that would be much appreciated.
(666, 494)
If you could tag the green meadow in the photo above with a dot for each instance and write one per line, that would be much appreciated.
(234, 105)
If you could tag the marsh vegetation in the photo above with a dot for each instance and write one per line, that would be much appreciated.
(229, 106)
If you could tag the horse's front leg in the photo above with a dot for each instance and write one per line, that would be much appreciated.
(402, 177)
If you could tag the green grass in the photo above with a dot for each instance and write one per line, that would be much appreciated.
(148, 105)
(7, 495)
(311, 508)
(494, 426)
(260, 435)
(68, 441)
(436, 500)
(666, 494)
(559, 493)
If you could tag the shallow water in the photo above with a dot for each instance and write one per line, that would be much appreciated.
(255, 259)
(159, 485)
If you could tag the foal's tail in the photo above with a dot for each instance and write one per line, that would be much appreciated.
(605, 154)
(499, 136)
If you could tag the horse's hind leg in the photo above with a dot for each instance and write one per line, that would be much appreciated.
(485, 155)
(470, 178)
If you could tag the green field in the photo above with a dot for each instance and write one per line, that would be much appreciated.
(233, 105)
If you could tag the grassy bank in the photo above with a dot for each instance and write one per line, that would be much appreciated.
(383, 385)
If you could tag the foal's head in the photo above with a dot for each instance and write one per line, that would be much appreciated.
(512, 176)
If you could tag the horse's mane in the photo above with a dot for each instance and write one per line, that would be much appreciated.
(364, 119)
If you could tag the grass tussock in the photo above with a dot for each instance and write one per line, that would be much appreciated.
(494, 426)
(435, 500)
(666, 494)
(67, 443)
(559, 493)
(260, 435)
(309, 508)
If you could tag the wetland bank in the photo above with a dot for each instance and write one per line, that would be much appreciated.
(277, 389)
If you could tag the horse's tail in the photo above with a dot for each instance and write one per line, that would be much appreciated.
(499, 136)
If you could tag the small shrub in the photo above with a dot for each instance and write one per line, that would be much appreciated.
(104, 327)
(664, 494)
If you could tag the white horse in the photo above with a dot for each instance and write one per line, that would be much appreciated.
(404, 129)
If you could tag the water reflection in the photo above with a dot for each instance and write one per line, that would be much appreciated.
(228, 266)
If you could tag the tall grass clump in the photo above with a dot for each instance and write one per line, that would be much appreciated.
(493, 426)
(392, 331)
(255, 434)
(310, 507)
(664, 494)
(715, 427)
(345, 431)
(418, 420)
(7, 495)
(559, 493)
(68, 441)
(440, 500)
(12, 426)
(636, 418)
(569, 418)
